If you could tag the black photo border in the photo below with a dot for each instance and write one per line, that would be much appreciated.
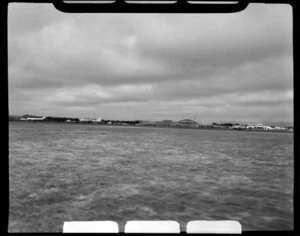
(120, 6)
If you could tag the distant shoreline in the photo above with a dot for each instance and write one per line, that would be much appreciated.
(156, 126)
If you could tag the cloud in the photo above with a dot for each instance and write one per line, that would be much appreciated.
(152, 64)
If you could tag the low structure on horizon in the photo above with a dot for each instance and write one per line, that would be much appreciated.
(185, 123)
(188, 123)
(260, 127)
(34, 118)
(170, 123)
(90, 120)
(96, 121)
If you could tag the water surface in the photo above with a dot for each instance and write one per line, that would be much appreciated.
(64, 172)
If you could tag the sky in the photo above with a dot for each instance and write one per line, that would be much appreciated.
(205, 67)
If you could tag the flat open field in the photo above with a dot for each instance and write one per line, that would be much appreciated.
(64, 172)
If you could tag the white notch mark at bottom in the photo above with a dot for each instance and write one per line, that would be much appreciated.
(164, 226)
(211, 227)
(159, 226)
(91, 227)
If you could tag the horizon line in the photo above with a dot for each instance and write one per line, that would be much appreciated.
(211, 120)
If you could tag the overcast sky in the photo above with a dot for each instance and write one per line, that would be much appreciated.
(206, 67)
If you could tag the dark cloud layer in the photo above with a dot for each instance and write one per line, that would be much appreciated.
(152, 66)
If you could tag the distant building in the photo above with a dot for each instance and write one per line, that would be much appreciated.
(165, 123)
(85, 120)
(280, 128)
(267, 127)
(97, 121)
(239, 127)
(188, 123)
(147, 122)
(264, 127)
(36, 118)
(259, 127)
(250, 127)
(91, 120)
